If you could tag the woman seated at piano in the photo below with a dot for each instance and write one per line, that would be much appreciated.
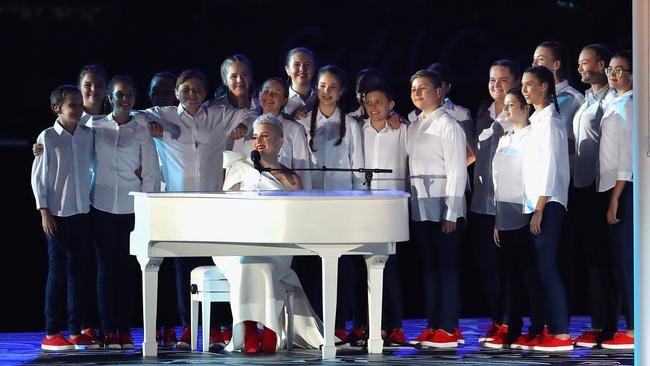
(259, 284)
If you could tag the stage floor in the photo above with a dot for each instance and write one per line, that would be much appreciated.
(24, 348)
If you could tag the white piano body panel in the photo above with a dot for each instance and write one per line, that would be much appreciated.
(328, 224)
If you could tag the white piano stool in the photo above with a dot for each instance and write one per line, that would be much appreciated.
(209, 285)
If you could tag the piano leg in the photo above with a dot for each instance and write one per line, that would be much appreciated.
(149, 267)
(375, 264)
(330, 280)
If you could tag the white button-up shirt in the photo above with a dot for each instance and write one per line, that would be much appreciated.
(546, 159)
(119, 151)
(508, 177)
(616, 142)
(194, 161)
(435, 146)
(347, 155)
(62, 174)
(569, 100)
(586, 129)
(385, 149)
(240, 145)
(295, 103)
(461, 114)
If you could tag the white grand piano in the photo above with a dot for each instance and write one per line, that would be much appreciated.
(327, 224)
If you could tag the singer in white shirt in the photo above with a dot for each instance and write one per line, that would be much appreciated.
(258, 284)
(295, 152)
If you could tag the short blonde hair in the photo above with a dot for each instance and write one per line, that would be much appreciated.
(270, 120)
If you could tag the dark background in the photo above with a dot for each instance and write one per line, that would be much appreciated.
(45, 43)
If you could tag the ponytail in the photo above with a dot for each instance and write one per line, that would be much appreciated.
(554, 99)
(341, 128)
(312, 126)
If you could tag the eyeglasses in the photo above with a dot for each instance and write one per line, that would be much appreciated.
(615, 71)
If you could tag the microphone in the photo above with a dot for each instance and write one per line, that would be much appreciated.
(256, 157)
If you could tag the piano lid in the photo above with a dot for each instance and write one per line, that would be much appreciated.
(361, 194)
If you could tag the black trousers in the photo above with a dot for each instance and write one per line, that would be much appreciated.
(593, 248)
(439, 254)
(488, 259)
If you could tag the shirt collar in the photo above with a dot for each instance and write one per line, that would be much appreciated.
(599, 95)
(435, 114)
(181, 110)
(547, 111)
(493, 110)
(619, 97)
(387, 126)
(559, 87)
(321, 116)
(293, 93)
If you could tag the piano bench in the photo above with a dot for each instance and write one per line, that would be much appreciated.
(209, 285)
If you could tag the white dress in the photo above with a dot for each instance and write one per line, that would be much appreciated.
(258, 285)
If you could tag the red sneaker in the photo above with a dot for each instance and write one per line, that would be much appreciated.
(185, 339)
(216, 338)
(251, 342)
(269, 340)
(549, 343)
(341, 335)
(459, 336)
(492, 330)
(426, 333)
(499, 338)
(226, 334)
(126, 340)
(395, 338)
(620, 341)
(588, 339)
(57, 343)
(112, 341)
(440, 339)
(357, 337)
(90, 333)
(168, 337)
(525, 342)
(82, 341)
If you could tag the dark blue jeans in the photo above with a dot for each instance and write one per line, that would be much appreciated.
(439, 255)
(622, 252)
(488, 258)
(114, 264)
(546, 246)
(592, 239)
(68, 252)
(521, 281)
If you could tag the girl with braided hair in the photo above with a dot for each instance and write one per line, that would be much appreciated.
(546, 184)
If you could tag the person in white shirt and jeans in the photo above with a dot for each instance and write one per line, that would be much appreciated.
(616, 180)
(546, 184)
(61, 178)
(436, 150)
(587, 206)
(122, 147)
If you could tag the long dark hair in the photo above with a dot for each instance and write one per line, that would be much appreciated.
(340, 76)
(545, 75)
